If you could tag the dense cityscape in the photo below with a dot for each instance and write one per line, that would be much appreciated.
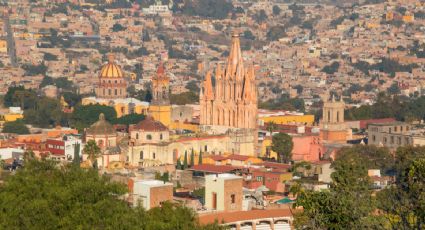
(212, 114)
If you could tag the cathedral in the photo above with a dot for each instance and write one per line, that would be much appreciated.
(232, 101)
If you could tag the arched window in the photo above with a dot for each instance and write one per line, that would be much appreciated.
(206, 148)
(137, 135)
(141, 155)
(329, 116)
(109, 92)
(160, 136)
(337, 116)
(116, 92)
(153, 156)
(149, 137)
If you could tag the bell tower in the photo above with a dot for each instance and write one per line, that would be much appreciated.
(160, 108)
(332, 126)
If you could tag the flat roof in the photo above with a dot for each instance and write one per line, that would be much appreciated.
(152, 183)
(230, 217)
(389, 123)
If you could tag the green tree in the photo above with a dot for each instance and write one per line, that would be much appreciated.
(282, 144)
(393, 89)
(260, 16)
(76, 160)
(347, 205)
(179, 164)
(332, 68)
(73, 198)
(185, 160)
(192, 158)
(271, 127)
(129, 119)
(118, 27)
(48, 113)
(200, 158)
(85, 115)
(17, 127)
(93, 152)
(276, 10)
(184, 98)
(404, 203)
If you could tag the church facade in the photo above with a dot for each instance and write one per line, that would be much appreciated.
(232, 101)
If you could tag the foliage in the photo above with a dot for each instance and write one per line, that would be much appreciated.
(193, 86)
(403, 204)
(76, 160)
(200, 158)
(61, 83)
(50, 57)
(85, 115)
(192, 158)
(372, 157)
(332, 68)
(275, 33)
(184, 98)
(217, 9)
(260, 16)
(276, 10)
(70, 197)
(72, 98)
(248, 35)
(17, 127)
(282, 144)
(93, 152)
(185, 166)
(47, 113)
(284, 103)
(118, 27)
(386, 65)
(347, 205)
(129, 119)
(393, 89)
(33, 70)
(19, 96)
(386, 107)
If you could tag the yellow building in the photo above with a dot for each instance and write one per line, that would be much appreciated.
(160, 108)
(287, 119)
(122, 106)
(3, 46)
(111, 90)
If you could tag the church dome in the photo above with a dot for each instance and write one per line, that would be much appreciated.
(111, 70)
(101, 127)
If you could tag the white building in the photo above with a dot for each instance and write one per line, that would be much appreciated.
(151, 193)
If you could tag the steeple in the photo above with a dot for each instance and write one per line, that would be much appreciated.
(235, 60)
(208, 89)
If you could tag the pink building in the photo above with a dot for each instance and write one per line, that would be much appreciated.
(307, 148)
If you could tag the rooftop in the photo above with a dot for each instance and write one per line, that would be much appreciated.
(230, 217)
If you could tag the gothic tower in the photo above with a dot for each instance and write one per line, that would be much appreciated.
(160, 108)
(332, 126)
(232, 102)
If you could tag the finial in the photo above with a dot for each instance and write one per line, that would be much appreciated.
(160, 69)
(111, 57)
(101, 117)
(235, 33)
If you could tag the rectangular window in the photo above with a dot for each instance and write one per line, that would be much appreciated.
(259, 178)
